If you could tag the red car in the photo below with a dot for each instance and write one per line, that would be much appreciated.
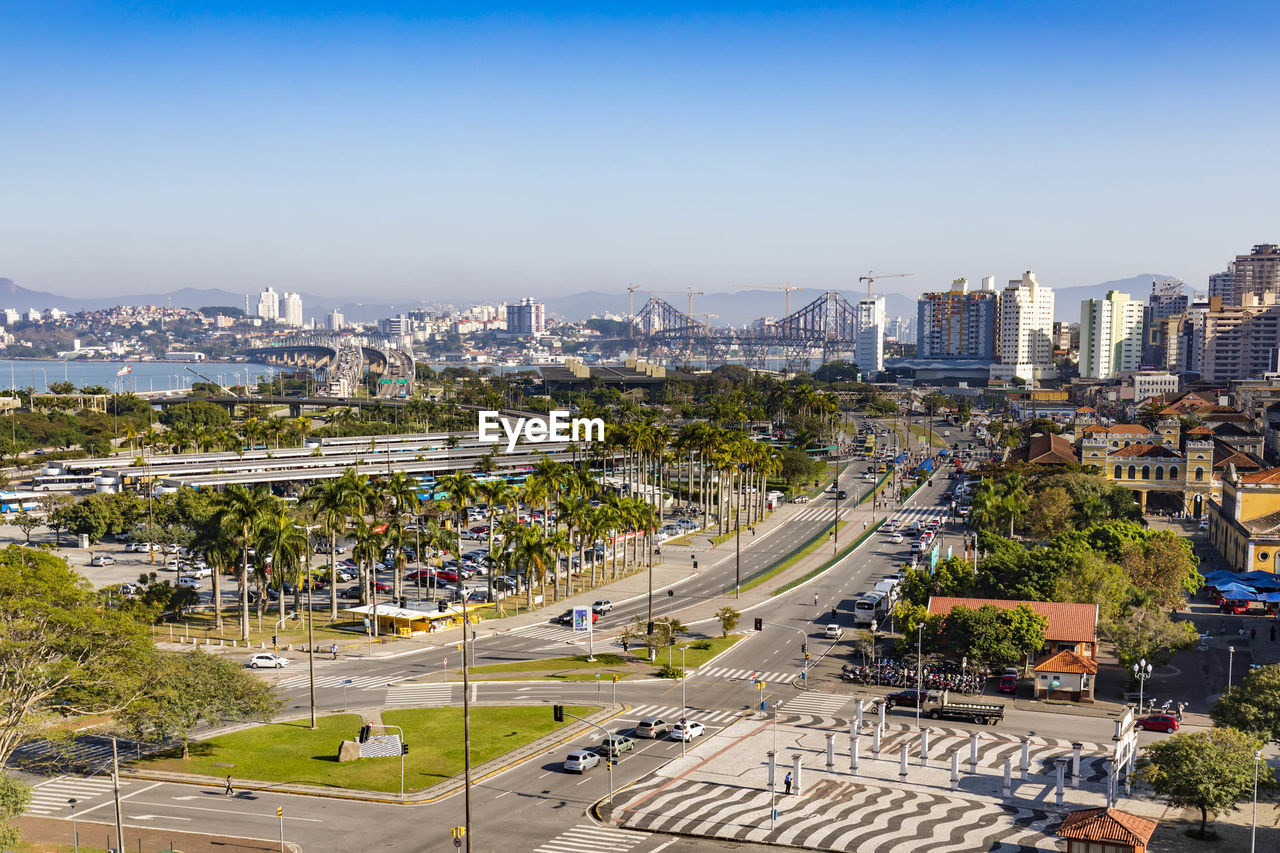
(1158, 723)
(906, 698)
(382, 586)
(1008, 684)
(447, 575)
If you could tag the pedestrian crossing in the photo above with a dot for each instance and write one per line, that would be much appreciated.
(922, 514)
(562, 633)
(746, 674)
(589, 838)
(420, 695)
(88, 753)
(49, 798)
(671, 713)
(826, 512)
(351, 682)
(815, 703)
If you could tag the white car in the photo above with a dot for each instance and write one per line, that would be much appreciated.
(580, 761)
(803, 499)
(172, 562)
(198, 572)
(833, 632)
(896, 538)
(188, 583)
(687, 730)
(103, 560)
(267, 659)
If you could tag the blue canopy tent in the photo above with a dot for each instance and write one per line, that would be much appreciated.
(1237, 592)
(1269, 597)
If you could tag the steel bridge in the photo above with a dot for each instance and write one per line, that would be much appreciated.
(827, 325)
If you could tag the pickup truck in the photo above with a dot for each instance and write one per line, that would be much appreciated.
(973, 712)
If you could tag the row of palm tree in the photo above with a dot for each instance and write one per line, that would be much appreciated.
(181, 438)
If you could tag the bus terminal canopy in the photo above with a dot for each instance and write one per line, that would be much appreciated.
(406, 621)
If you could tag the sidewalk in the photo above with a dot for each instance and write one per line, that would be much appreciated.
(47, 830)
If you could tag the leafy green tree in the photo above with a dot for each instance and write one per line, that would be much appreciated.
(59, 649)
(1050, 513)
(26, 522)
(1252, 705)
(728, 620)
(994, 636)
(1210, 770)
(15, 797)
(1143, 630)
(196, 415)
(1163, 565)
(1095, 580)
(196, 688)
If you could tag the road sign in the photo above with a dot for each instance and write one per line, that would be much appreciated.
(581, 619)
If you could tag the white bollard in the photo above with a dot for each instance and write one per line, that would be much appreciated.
(795, 773)
(882, 711)
(902, 761)
(1075, 765)
(1008, 775)
(857, 716)
(1061, 764)
(831, 751)
(973, 752)
(1024, 764)
(955, 770)
(855, 743)
(875, 741)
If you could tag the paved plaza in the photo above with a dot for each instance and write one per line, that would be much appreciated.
(953, 800)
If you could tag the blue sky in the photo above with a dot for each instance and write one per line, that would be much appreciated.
(453, 151)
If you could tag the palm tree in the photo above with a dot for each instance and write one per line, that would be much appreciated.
(558, 543)
(573, 510)
(241, 510)
(218, 550)
(399, 493)
(531, 551)
(367, 552)
(280, 538)
(460, 486)
(497, 494)
(333, 503)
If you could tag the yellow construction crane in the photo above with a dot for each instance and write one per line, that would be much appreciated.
(690, 293)
(871, 277)
(787, 287)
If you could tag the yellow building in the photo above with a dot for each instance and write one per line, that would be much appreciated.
(1154, 461)
(1244, 527)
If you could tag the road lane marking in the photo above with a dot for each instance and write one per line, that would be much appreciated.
(122, 798)
(229, 811)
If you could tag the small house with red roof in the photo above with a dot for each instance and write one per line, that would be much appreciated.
(1065, 675)
(1070, 627)
(1104, 830)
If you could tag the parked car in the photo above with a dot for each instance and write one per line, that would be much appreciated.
(651, 727)
(102, 560)
(130, 589)
(614, 745)
(267, 659)
(833, 632)
(188, 583)
(1158, 723)
(1009, 680)
(580, 761)
(604, 605)
(195, 571)
(687, 730)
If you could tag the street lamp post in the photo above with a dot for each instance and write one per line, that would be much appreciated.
(75, 835)
(1253, 830)
(684, 676)
(1141, 671)
(1231, 660)
(919, 671)
(311, 639)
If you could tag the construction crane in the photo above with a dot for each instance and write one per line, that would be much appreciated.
(631, 309)
(871, 277)
(690, 292)
(788, 288)
(207, 379)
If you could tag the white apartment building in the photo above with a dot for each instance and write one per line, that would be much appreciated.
(1111, 335)
(868, 341)
(1149, 384)
(291, 309)
(1024, 344)
(33, 315)
(334, 321)
(268, 305)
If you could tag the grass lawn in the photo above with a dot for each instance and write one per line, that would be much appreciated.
(820, 541)
(292, 632)
(292, 752)
(575, 668)
(693, 658)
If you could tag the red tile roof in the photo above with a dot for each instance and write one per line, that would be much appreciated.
(1107, 825)
(1068, 623)
(1270, 475)
(1045, 450)
(1087, 409)
(1067, 661)
(1146, 451)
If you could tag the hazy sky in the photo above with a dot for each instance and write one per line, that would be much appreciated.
(449, 151)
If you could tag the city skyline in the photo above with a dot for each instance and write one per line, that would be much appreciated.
(551, 149)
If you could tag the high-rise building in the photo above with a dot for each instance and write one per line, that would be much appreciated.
(1168, 300)
(268, 305)
(11, 316)
(1255, 274)
(1110, 336)
(291, 309)
(395, 327)
(33, 315)
(868, 335)
(334, 321)
(1025, 342)
(1191, 335)
(1239, 340)
(526, 318)
(958, 323)
(1223, 285)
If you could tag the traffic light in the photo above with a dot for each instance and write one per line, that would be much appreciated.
(759, 624)
(559, 713)
(275, 640)
(804, 649)
(649, 629)
(404, 749)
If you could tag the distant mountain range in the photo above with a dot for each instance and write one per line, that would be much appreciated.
(735, 308)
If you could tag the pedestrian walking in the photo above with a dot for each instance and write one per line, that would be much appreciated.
(786, 784)
(624, 645)
(815, 599)
(1222, 626)
(1253, 633)
(229, 792)
(333, 649)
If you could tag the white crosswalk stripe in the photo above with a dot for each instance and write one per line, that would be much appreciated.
(815, 703)
(551, 632)
(746, 674)
(669, 713)
(589, 838)
(420, 695)
(51, 797)
(351, 682)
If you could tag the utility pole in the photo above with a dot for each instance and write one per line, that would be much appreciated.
(466, 732)
(115, 789)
